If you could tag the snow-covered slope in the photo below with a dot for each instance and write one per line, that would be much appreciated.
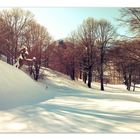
(17, 88)
(68, 106)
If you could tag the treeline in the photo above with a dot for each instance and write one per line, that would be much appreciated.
(126, 57)
(89, 50)
(86, 53)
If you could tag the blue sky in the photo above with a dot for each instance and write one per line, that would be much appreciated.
(62, 21)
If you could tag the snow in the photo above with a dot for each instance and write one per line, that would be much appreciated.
(17, 88)
(64, 106)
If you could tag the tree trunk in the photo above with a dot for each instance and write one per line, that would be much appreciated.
(126, 81)
(72, 74)
(134, 87)
(101, 68)
(129, 82)
(85, 77)
(102, 81)
(80, 74)
(90, 77)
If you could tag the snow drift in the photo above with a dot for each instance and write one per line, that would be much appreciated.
(17, 88)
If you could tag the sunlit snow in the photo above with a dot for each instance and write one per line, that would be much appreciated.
(57, 104)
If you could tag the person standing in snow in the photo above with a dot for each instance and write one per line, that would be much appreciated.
(36, 68)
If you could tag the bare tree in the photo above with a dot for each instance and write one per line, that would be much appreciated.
(87, 35)
(37, 38)
(106, 33)
(131, 18)
(6, 34)
(16, 20)
(74, 53)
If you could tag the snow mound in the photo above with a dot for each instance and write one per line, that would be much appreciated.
(17, 88)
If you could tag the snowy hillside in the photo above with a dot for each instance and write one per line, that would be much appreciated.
(65, 105)
(17, 88)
